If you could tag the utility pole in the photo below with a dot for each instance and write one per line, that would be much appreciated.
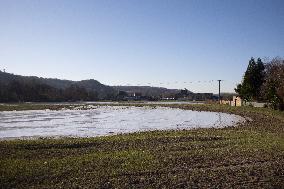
(219, 98)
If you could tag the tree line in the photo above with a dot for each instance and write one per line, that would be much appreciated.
(264, 82)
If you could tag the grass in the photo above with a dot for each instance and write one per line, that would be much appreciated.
(247, 156)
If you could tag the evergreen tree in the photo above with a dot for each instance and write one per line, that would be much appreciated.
(250, 87)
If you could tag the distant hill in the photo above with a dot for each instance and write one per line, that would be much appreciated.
(103, 91)
(32, 88)
(6, 78)
(17, 88)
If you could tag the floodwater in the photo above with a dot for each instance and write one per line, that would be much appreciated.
(106, 120)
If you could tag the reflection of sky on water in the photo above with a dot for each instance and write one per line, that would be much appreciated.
(106, 120)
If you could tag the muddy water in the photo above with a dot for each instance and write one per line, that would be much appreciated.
(106, 120)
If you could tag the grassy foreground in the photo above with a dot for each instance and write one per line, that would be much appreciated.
(247, 156)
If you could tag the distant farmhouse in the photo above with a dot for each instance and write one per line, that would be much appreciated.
(190, 96)
(236, 101)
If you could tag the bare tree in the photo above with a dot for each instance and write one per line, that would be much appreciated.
(273, 86)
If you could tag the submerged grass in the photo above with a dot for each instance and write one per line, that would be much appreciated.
(246, 156)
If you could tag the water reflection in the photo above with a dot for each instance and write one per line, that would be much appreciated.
(106, 120)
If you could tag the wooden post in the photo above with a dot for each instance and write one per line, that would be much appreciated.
(219, 91)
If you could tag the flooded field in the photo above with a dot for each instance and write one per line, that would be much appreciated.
(111, 102)
(89, 121)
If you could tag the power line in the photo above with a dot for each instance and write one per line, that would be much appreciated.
(166, 83)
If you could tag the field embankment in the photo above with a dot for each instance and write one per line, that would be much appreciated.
(249, 155)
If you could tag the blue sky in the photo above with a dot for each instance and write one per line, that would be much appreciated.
(167, 43)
